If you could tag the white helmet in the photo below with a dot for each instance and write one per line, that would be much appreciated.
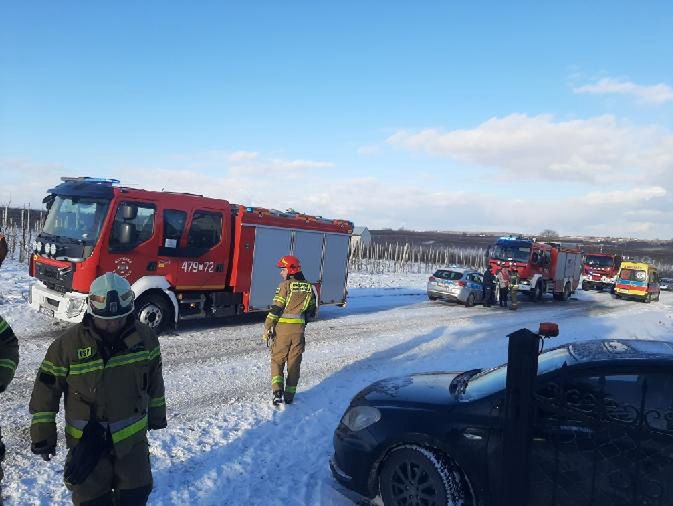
(110, 297)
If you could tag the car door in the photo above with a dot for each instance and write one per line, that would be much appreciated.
(584, 436)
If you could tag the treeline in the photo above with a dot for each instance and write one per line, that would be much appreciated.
(379, 258)
(20, 227)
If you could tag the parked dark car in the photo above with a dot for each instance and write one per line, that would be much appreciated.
(602, 433)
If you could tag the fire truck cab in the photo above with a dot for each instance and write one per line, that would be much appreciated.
(542, 267)
(186, 256)
(600, 270)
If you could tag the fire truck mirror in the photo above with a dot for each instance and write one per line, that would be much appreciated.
(127, 233)
(535, 258)
(129, 212)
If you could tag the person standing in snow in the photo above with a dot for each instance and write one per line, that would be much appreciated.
(9, 353)
(487, 287)
(503, 286)
(284, 328)
(109, 369)
(513, 286)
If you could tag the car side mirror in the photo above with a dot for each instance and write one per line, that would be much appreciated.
(127, 233)
(129, 212)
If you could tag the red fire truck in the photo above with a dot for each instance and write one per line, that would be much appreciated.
(600, 270)
(542, 267)
(186, 256)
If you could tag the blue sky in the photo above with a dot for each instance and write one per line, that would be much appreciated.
(488, 116)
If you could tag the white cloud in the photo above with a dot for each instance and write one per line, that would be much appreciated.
(652, 94)
(239, 156)
(539, 148)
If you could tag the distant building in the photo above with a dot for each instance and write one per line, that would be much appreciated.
(362, 236)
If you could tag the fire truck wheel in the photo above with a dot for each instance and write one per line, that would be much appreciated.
(538, 291)
(153, 310)
(566, 292)
(648, 298)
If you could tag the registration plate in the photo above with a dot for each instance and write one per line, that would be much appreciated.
(47, 311)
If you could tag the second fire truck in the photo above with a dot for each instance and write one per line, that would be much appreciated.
(542, 267)
(186, 256)
(600, 270)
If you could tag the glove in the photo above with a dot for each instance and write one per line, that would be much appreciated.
(43, 449)
(85, 456)
(157, 425)
(267, 337)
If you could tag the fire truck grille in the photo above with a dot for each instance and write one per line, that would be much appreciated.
(55, 278)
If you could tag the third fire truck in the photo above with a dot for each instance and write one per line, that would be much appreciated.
(542, 267)
(600, 271)
(186, 256)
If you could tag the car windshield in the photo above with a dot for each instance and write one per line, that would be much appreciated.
(76, 218)
(516, 253)
(599, 261)
(493, 380)
(445, 274)
(633, 275)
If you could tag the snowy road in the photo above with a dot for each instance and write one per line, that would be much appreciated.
(227, 445)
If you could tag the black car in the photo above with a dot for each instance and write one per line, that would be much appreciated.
(602, 431)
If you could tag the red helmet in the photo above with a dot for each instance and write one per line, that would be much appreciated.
(291, 263)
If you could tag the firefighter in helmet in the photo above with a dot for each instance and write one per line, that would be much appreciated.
(284, 328)
(109, 369)
(9, 353)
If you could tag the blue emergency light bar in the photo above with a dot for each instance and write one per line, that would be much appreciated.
(87, 179)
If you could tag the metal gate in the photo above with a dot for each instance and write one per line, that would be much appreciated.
(568, 443)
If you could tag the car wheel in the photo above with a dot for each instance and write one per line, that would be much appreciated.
(648, 298)
(431, 297)
(618, 295)
(585, 286)
(416, 475)
(470, 300)
(154, 311)
(566, 292)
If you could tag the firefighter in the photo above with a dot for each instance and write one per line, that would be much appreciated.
(9, 353)
(513, 286)
(284, 328)
(109, 369)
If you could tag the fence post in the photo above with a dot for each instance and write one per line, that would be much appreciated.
(518, 412)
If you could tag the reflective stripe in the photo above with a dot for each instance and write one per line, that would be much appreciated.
(9, 364)
(44, 417)
(86, 367)
(272, 316)
(3, 325)
(117, 361)
(154, 353)
(291, 320)
(279, 299)
(73, 432)
(277, 380)
(290, 389)
(129, 431)
(129, 358)
(53, 369)
(157, 402)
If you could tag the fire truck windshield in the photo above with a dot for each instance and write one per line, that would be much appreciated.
(76, 218)
(599, 261)
(516, 253)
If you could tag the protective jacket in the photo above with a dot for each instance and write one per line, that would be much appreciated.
(294, 299)
(122, 383)
(9, 354)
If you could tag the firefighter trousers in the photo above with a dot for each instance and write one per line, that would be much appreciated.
(288, 346)
(125, 480)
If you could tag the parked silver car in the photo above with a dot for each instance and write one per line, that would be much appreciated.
(666, 284)
(456, 284)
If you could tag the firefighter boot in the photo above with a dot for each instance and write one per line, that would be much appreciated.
(277, 397)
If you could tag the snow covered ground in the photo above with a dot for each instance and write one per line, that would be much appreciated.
(227, 445)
